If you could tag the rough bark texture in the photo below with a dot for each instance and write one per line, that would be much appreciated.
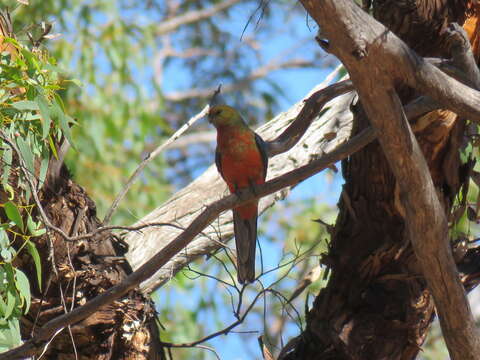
(76, 272)
(376, 304)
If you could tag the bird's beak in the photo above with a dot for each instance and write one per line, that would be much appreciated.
(217, 98)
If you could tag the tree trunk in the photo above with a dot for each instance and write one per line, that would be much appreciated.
(76, 272)
(376, 304)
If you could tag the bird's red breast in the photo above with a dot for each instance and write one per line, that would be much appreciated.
(241, 163)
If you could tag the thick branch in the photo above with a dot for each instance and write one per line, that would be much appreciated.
(336, 119)
(188, 202)
(378, 61)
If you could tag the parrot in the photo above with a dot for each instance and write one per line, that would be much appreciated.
(242, 161)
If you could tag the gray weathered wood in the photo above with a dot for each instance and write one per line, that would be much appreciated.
(190, 201)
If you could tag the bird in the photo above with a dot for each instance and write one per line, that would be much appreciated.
(242, 161)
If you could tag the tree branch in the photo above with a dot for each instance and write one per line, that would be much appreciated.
(258, 73)
(182, 207)
(190, 17)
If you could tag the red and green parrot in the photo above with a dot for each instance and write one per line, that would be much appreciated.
(241, 160)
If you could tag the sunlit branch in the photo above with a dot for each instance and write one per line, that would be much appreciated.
(191, 17)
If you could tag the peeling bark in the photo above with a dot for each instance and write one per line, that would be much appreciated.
(377, 304)
(78, 272)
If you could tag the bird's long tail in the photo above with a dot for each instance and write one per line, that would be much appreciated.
(245, 228)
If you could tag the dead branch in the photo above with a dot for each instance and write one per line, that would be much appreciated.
(185, 205)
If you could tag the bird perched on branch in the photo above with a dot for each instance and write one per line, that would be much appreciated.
(241, 160)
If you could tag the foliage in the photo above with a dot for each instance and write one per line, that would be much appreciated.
(33, 121)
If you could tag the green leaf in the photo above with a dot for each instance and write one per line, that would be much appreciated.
(9, 273)
(9, 190)
(27, 154)
(13, 214)
(14, 326)
(6, 254)
(4, 95)
(11, 301)
(31, 59)
(52, 147)
(76, 82)
(3, 307)
(24, 105)
(64, 121)
(45, 111)
(54, 68)
(4, 242)
(43, 170)
(2, 279)
(36, 259)
(35, 229)
(23, 286)
(9, 335)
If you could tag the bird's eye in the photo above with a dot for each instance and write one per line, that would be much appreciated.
(215, 112)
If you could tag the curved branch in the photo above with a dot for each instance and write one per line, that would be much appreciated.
(311, 110)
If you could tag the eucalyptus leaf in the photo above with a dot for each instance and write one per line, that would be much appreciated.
(36, 259)
(4, 242)
(11, 301)
(7, 162)
(23, 286)
(24, 105)
(45, 111)
(6, 255)
(43, 169)
(9, 335)
(14, 214)
(3, 308)
(26, 153)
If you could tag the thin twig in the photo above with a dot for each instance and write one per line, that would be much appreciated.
(149, 158)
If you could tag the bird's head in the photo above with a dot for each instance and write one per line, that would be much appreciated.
(224, 115)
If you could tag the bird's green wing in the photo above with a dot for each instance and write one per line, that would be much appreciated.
(218, 162)
(262, 147)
